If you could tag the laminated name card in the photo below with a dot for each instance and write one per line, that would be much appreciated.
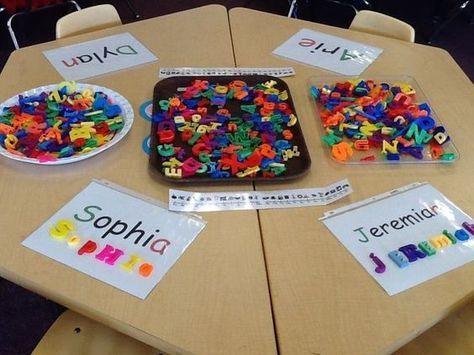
(117, 237)
(328, 52)
(99, 56)
(406, 236)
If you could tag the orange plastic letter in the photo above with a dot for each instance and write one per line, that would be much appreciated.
(145, 270)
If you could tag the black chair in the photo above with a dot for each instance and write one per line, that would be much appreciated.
(447, 11)
(26, 17)
(429, 17)
(133, 9)
(328, 12)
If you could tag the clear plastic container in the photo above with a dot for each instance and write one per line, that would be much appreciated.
(367, 123)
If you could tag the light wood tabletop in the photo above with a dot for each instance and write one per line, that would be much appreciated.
(215, 299)
(323, 301)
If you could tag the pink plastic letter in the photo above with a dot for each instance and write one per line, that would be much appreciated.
(109, 254)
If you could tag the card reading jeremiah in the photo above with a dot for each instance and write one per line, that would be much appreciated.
(405, 237)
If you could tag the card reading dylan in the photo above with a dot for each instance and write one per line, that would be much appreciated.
(116, 237)
(99, 56)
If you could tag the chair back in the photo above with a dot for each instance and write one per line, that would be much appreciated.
(87, 20)
(328, 12)
(383, 25)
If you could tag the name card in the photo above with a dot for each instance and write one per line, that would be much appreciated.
(117, 237)
(405, 237)
(99, 56)
(328, 52)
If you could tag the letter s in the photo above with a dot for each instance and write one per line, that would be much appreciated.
(91, 215)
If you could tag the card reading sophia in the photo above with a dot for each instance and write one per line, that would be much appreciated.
(116, 236)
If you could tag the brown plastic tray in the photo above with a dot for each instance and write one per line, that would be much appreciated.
(172, 87)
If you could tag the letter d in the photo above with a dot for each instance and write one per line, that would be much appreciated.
(123, 50)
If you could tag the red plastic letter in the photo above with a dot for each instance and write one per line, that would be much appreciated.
(89, 247)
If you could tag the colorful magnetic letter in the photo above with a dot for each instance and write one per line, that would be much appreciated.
(145, 269)
(89, 247)
(380, 265)
(427, 248)
(461, 234)
(132, 261)
(469, 227)
(411, 252)
(399, 258)
(61, 229)
(109, 254)
(440, 241)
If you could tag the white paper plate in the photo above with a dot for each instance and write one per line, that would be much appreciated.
(117, 99)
